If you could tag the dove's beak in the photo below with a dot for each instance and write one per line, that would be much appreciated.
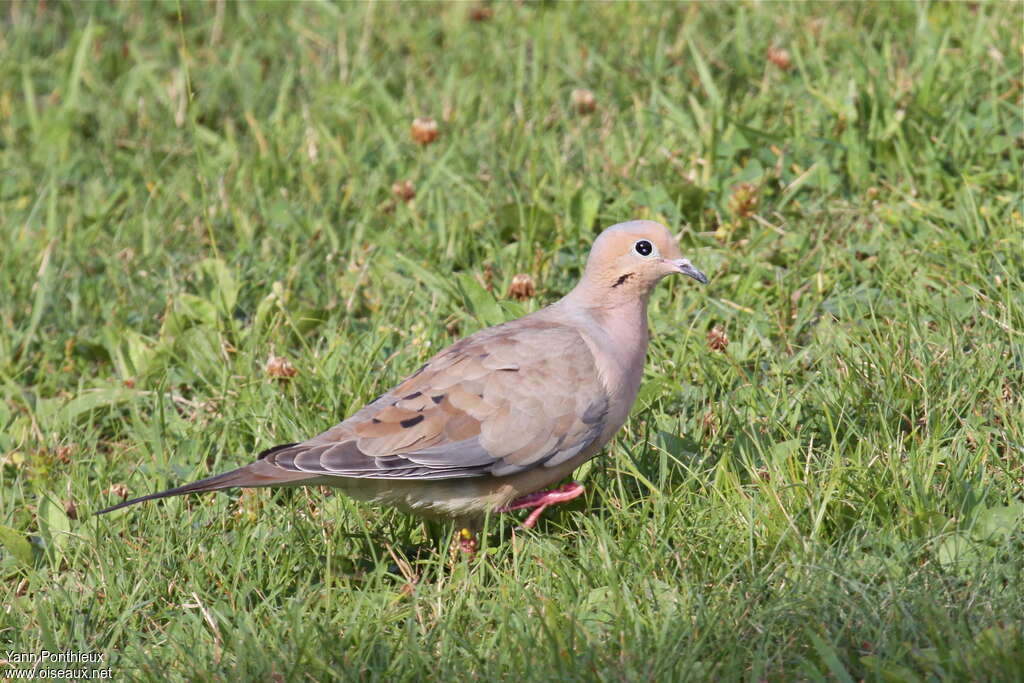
(686, 268)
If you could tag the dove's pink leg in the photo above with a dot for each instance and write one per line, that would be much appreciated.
(542, 500)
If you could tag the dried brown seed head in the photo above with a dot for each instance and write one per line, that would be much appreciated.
(424, 130)
(404, 190)
(279, 367)
(710, 422)
(744, 200)
(779, 56)
(65, 452)
(583, 101)
(522, 287)
(118, 490)
(718, 340)
(480, 12)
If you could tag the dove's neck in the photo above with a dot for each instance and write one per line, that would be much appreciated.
(624, 322)
(616, 330)
(623, 318)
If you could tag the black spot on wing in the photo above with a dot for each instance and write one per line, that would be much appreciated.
(412, 421)
(437, 399)
(274, 449)
(421, 369)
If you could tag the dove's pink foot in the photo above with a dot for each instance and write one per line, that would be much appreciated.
(542, 500)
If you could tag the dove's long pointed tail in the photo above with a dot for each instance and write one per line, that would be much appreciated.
(215, 483)
(259, 473)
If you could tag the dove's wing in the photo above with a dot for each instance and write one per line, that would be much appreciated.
(517, 396)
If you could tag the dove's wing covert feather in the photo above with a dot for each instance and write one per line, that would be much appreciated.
(513, 397)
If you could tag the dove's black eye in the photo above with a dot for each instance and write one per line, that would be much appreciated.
(643, 247)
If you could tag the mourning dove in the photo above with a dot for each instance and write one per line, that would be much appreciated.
(500, 415)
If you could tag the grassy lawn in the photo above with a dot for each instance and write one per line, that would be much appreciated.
(823, 476)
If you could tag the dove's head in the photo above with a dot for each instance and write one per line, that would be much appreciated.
(629, 259)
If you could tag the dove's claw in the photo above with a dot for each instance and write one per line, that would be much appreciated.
(541, 500)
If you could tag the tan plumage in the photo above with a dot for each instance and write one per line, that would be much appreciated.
(500, 414)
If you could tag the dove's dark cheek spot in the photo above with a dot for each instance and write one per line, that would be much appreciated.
(622, 278)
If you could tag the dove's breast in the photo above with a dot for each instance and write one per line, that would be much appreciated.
(618, 344)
